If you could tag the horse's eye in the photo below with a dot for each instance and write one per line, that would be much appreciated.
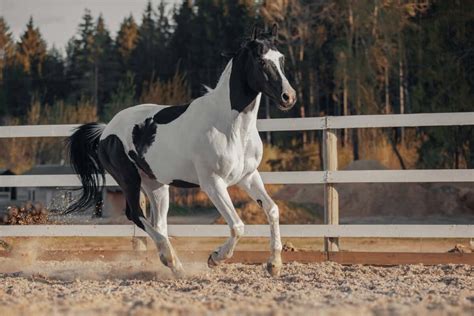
(261, 61)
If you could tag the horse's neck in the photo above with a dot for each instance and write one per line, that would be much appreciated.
(241, 104)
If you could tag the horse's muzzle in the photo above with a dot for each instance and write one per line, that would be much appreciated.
(288, 99)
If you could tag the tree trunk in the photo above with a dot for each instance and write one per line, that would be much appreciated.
(376, 14)
(355, 131)
(313, 101)
(320, 145)
(401, 87)
(305, 136)
(387, 109)
(355, 144)
(395, 150)
(96, 87)
(345, 111)
(470, 161)
(298, 83)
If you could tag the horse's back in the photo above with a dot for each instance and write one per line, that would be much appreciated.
(123, 122)
(149, 137)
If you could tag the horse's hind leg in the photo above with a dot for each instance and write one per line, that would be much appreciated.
(216, 189)
(114, 159)
(158, 195)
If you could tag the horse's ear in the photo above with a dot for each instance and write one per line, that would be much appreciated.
(275, 31)
(255, 32)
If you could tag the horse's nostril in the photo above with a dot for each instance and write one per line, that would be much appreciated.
(285, 97)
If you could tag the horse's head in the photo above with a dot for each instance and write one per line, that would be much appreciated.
(265, 69)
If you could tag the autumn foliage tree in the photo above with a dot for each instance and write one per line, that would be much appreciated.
(343, 57)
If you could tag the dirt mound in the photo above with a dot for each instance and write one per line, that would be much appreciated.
(388, 199)
(290, 213)
(25, 214)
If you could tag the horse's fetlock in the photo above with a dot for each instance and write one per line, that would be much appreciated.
(238, 230)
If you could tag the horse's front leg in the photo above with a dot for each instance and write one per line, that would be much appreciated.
(216, 189)
(253, 185)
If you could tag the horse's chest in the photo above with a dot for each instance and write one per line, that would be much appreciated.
(239, 159)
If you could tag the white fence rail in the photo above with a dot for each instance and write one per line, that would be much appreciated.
(314, 231)
(328, 177)
(286, 124)
(286, 177)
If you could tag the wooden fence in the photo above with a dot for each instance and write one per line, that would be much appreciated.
(329, 177)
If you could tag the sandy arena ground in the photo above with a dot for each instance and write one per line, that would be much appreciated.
(134, 287)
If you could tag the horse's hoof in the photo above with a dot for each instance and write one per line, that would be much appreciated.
(274, 268)
(211, 263)
(178, 273)
(164, 260)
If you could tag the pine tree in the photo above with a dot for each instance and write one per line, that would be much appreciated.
(162, 24)
(86, 36)
(127, 37)
(121, 98)
(143, 57)
(210, 28)
(80, 59)
(31, 51)
(54, 84)
(7, 47)
(93, 62)
(184, 50)
(443, 60)
(25, 74)
(105, 64)
(7, 52)
(163, 55)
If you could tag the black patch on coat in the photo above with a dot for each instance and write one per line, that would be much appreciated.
(241, 95)
(169, 114)
(141, 163)
(143, 135)
(183, 184)
(114, 159)
(260, 203)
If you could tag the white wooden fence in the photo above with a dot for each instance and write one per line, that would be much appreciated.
(328, 177)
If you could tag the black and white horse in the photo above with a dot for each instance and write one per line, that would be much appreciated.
(212, 143)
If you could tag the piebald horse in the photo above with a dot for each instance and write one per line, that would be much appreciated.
(211, 143)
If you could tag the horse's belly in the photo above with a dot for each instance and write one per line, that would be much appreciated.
(169, 163)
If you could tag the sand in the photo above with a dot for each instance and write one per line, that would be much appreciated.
(133, 287)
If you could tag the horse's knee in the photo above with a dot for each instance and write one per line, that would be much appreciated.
(273, 214)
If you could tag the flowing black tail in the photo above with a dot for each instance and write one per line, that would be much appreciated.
(82, 149)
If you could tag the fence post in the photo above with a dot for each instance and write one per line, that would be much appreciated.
(331, 197)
